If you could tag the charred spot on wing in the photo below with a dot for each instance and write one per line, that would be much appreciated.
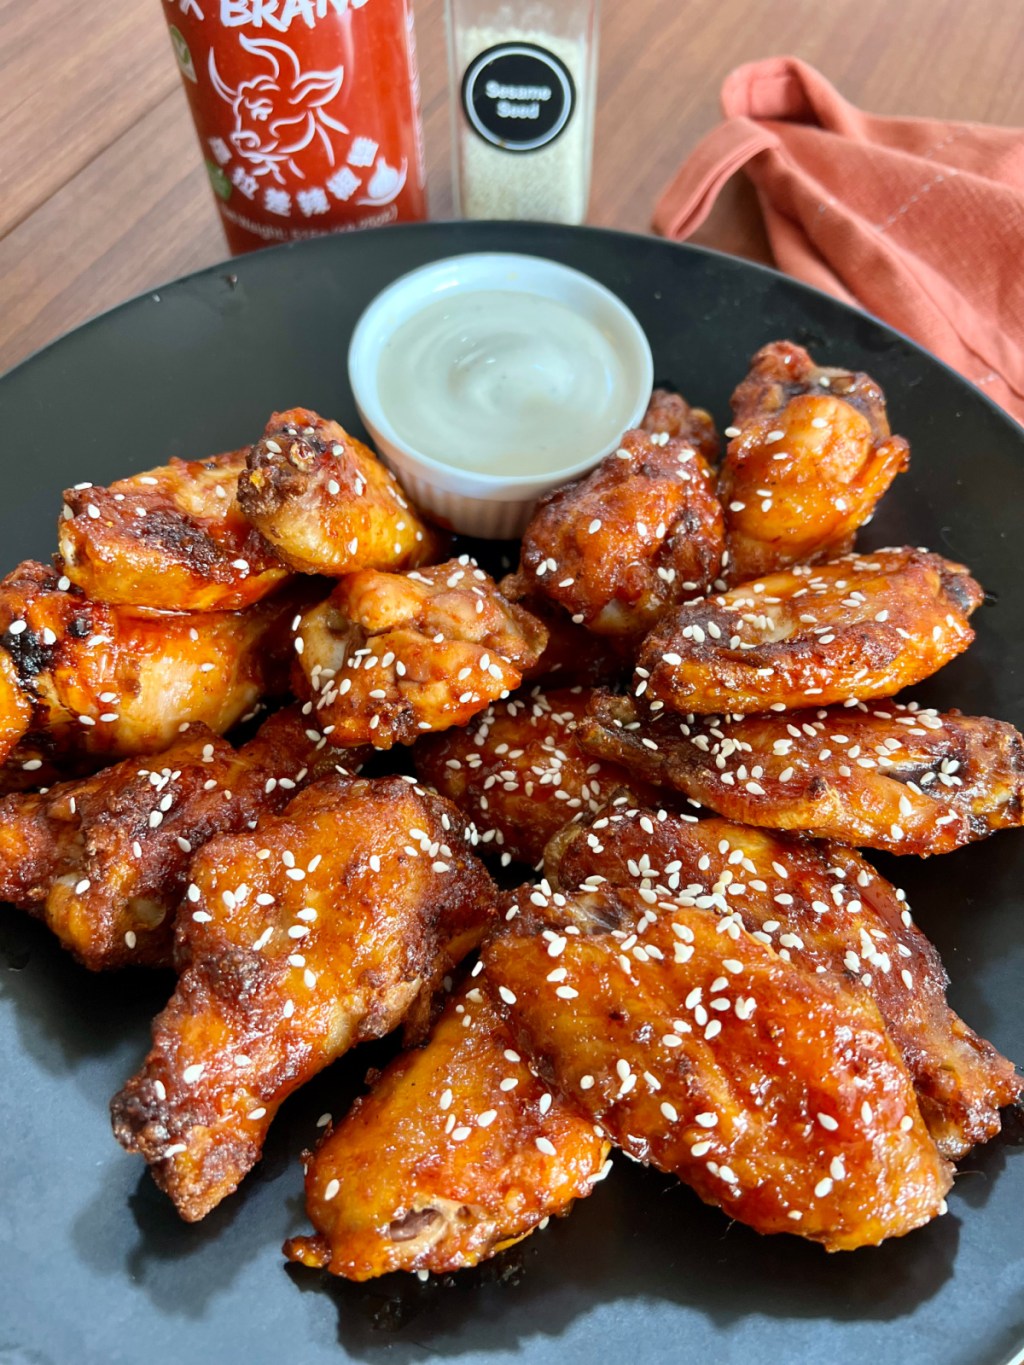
(170, 532)
(234, 973)
(28, 653)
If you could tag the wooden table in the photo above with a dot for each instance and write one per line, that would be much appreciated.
(103, 194)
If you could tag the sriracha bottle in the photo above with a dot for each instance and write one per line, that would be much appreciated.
(307, 113)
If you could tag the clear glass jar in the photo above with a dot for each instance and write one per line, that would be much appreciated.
(523, 84)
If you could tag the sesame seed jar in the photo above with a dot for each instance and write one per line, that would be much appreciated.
(523, 85)
(307, 113)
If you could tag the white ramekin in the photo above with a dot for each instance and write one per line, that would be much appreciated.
(494, 506)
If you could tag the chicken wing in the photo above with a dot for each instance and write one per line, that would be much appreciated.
(809, 458)
(389, 656)
(326, 504)
(112, 681)
(669, 414)
(173, 538)
(457, 1152)
(862, 627)
(517, 771)
(891, 776)
(323, 927)
(775, 1093)
(104, 861)
(617, 548)
(826, 909)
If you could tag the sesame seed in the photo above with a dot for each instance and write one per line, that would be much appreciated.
(545, 1145)
(193, 1072)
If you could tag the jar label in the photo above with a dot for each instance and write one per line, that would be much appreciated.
(518, 96)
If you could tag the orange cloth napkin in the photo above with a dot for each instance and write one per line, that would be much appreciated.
(921, 222)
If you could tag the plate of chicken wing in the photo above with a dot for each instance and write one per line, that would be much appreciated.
(545, 949)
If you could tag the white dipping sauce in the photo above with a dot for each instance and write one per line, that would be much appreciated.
(503, 382)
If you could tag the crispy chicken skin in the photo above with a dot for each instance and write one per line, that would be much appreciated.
(323, 927)
(517, 771)
(812, 458)
(457, 1152)
(862, 627)
(113, 681)
(824, 908)
(326, 504)
(104, 861)
(775, 1093)
(885, 775)
(669, 414)
(641, 533)
(389, 656)
(173, 538)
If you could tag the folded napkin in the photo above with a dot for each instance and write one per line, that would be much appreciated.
(919, 221)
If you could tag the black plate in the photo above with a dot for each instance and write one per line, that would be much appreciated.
(96, 1267)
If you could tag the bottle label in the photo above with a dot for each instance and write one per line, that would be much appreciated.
(306, 110)
(518, 96)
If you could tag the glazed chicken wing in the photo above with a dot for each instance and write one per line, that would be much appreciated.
(326, 504)
(517, 771)
(173, 538)
(389, 656)
(111, 681)
(862, 627)
(104, 861)
(825, 909)
(323, 927)
(775, 1093)
(669, 414)
(640, 534)
(457, 1152)
(890, 776)
(810, 456)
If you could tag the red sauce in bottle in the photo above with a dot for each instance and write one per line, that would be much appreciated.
(307, 113)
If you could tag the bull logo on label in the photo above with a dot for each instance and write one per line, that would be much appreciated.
(279, 111)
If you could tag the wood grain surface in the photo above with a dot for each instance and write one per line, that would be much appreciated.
(103, 192)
